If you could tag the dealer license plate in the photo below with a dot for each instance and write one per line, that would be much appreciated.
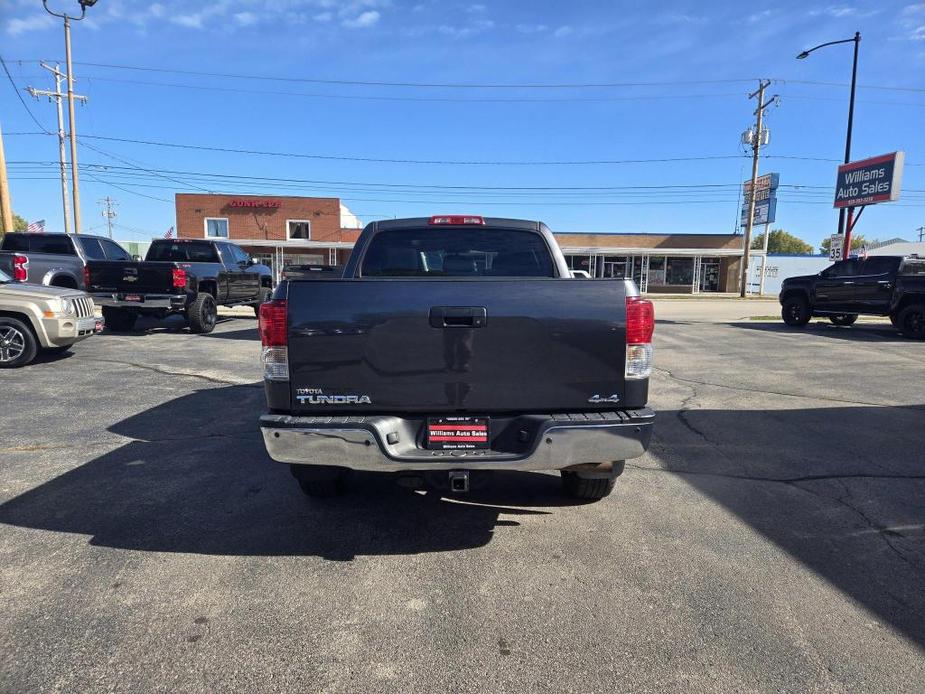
(458, 433)
(132, 297)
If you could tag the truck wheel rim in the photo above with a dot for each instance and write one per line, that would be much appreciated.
(12, 344)
(915, 322)
(211, 313)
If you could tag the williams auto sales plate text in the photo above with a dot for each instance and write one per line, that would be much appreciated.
(457, 433)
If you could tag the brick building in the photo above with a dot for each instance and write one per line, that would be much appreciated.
(281, 229)
(276, 229)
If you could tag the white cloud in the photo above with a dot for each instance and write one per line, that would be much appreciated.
(914, 9)
(245, 18)
(758, 16)
(14, 27)
(364, 20)
(564, 30)
(323, 17)
(156, 10)
(531, 28)
(195, 20)
(918, 34)
(477, 7)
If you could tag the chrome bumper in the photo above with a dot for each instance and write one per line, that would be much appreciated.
(361, 443)
(150, 301)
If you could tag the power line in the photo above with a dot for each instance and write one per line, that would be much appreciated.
(41, 127)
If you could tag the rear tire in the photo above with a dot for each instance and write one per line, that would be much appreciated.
(118, 319)
(844, 319)
(910, 321)
(266, 296)
(795, 311)
(202, 314)
(321, 481)
(589, 489)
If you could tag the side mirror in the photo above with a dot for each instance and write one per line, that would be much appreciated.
(136, 258)
(253, 261)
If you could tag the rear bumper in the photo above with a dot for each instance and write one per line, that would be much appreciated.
(171, 302)
(361, 443)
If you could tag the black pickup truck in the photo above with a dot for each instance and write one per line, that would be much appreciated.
(186, 276)
(455, 345)
(883, 285)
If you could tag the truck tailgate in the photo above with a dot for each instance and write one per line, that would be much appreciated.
(414, 345)
(133, 277)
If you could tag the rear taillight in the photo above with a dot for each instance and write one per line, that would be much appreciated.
(274, 338)
(179, 278)
(640, 324)
(20, 268)
(86, 277)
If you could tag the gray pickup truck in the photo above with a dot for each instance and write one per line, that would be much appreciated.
(457, 345)
(55, 260)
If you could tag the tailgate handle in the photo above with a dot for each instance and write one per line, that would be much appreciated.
(458, 317)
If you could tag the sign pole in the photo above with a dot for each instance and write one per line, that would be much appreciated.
(764, 261)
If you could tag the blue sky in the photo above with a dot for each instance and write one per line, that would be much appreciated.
(298, 63)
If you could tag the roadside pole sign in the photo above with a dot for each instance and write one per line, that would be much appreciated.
(765, 211)
(835, 247)
(869, 181)
(765, 199)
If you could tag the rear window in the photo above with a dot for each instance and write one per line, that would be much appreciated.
(191, 251)
(467, 252)
(56, 245)
(16, 242)
(38, 243)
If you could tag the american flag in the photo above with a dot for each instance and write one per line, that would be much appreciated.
(169, 233)
(36, 227)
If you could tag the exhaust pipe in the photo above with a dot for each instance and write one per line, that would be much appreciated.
(459, 481)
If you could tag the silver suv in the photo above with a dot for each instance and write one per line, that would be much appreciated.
(34, 317)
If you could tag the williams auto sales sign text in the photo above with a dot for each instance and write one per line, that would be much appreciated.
(869, 181)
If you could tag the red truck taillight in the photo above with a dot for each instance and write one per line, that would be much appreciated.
(179, 278)
(86, 278)
(274, 340)
(20, 268)
(640, 324)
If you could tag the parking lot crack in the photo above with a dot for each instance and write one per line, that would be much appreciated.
(782, 480)
(690, 381)
(160, 369)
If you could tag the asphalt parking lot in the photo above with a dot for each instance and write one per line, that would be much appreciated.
(771, 540)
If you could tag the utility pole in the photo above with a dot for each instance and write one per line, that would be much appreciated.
(72, 123)
(57, 96)
(109, 213)
(6, 207)
(921, 231)
(756, 153)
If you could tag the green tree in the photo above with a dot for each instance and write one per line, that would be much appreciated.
(856, 242)
(19, 224)
(779, 241)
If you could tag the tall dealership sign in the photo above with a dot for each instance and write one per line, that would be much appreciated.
(765, 199)
(869, 181)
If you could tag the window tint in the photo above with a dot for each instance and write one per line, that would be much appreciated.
(217, 227)
(878, 266)
(843, 268)
(56, 245)
(16, 242)
(447, 252)
(194, 251)
(238, 254)
(114, 251)
(92, 248)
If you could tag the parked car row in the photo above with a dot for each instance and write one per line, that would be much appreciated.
(42, 306)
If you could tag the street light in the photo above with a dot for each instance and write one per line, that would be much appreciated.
(842, 229)
(75, 190)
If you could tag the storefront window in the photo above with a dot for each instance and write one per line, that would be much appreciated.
(679, 272)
